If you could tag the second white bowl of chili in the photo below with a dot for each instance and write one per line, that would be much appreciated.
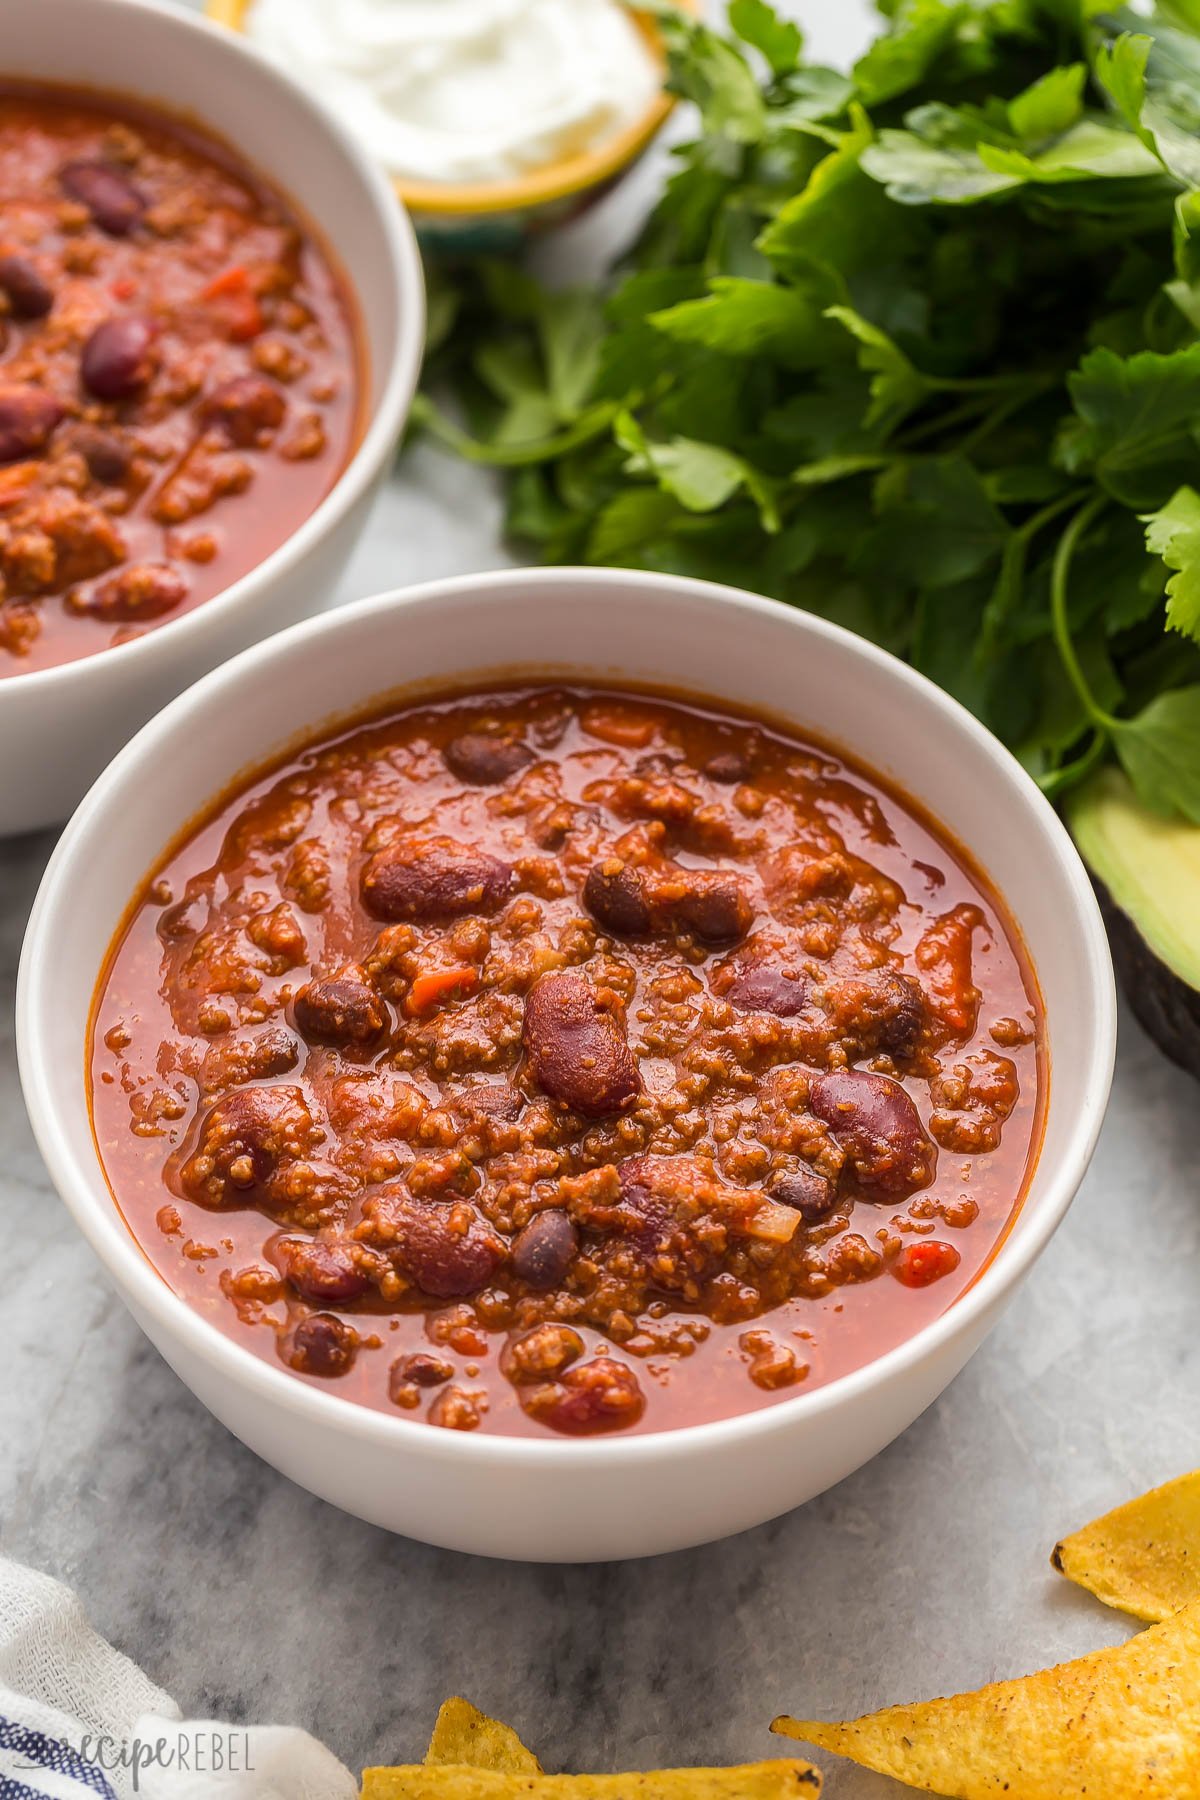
(212, 313)
(615, 1089)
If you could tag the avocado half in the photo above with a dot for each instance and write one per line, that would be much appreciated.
(1146, 870)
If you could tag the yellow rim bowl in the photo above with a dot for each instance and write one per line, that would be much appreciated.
(559, 181)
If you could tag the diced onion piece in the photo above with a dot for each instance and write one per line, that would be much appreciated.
(772, 1223)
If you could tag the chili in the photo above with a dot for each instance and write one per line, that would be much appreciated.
(553, 1060)
(179, 382)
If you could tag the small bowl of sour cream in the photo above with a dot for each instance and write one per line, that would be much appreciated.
(492, 117)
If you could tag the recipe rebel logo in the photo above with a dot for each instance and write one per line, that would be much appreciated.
(87, 1764)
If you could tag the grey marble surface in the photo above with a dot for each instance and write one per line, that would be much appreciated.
(924, 1573)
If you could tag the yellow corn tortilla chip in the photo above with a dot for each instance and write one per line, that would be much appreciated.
(467, 1737)
(1120, 1724)
(1143, 1557)
(755, 1781)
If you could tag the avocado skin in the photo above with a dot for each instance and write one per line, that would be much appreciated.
(1166, 1008)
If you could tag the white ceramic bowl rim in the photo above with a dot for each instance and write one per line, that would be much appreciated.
(50, 1090)
(386, 413)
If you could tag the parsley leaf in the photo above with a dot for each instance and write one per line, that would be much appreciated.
(712, 71)
(896, 388)
(1134, 422)
(1173, 533)
(751, 318)
(1051, 104)
(1160, 752)
(918, 168)
(1121, 71)
(700, 476)
(779, 40)
(899, 60)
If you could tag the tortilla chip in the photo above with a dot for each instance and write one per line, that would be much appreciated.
(756, 1781)
(1120, 1724)
(467, 1737)
(1145, 1556)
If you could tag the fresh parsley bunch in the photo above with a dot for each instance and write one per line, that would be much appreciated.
(917, 350)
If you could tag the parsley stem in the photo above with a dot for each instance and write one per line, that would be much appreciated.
(958, 415)
(1059, 780)
(991, 421)
(1012, 571)
(1067, 545)
(590, 424)
(1051, 510)
(975, 400)
(1028, 385)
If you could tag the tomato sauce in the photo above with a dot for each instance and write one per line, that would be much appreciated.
(561, 1061)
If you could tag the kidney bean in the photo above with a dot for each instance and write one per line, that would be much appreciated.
(244, 1139)
(140, 591)
(802, 1188)
(231, 1061)
(494, 1100)
(107, 192)
(118, 358)
(433, 879)
(322, 1344)
(875, 1122)
(899, 1005)
(485, 759)
(764, 988)
(883, 1011)
(727, 767)
(27, 418)
(544, 1250)
(577, 1049)
(248, 409)
(650, 1187)
(108, 457)
(658, 763)
(420, 1369)
(707, 902)
(615, 896)
(29, 294)
(442, 1246)
(715, 907)
(321, 1270)
(596, 1396)
(344, 1009)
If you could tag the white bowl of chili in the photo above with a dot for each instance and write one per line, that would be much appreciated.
(529, 1489)
(214, 320)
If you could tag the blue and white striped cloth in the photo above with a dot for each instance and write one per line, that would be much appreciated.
(79, 1721)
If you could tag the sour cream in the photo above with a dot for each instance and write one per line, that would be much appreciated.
(466, 90)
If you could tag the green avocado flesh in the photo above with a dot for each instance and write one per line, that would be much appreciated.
(1147, 874)
(1150, 866)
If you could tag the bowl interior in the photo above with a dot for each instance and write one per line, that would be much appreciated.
(166, 58)
(602, 625)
